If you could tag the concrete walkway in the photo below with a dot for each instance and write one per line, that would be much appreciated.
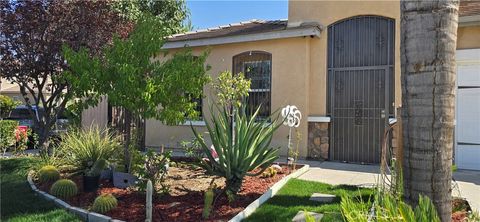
(366, 175)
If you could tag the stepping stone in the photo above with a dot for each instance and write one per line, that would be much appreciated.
(300, 217)
(322, 198)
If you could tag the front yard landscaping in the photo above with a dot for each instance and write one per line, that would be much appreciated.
(295, 195)
(18, 201)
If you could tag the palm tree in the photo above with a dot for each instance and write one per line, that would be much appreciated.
(428, 43)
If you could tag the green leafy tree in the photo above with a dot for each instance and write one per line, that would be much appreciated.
(7, 104)
(174, 13)
(132, 77)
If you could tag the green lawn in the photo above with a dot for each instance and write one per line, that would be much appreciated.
(18, 202)
(294, 196)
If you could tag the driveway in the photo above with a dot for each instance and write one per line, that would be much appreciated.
(336, 173)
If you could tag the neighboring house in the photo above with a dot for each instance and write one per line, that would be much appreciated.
(13, 91)
(339, 63)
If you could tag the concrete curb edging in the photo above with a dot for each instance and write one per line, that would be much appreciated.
(267, 195)
(85, 215)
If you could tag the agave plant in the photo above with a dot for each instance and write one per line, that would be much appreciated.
(240, 148)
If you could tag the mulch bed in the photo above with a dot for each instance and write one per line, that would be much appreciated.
(460, 209)
(185, 202)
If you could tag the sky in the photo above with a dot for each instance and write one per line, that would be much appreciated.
(208, 14)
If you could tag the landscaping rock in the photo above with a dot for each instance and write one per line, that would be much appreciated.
(62, 203)
(49, 197)
(277, 167)
(95, 217)
(300, 217)
(322, 198)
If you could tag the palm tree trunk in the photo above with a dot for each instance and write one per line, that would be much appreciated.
(428, 44)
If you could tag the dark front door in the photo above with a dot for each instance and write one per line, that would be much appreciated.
(361, 83)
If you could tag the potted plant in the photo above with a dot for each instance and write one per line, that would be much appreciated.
(91, 178)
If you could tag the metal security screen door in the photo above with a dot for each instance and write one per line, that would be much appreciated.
(361, 86)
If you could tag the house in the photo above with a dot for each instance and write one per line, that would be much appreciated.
(339, 63)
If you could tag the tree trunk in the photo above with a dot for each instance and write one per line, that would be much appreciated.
(428, 44)
(127, 138)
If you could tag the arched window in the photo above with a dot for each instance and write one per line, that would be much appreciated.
(257, 66)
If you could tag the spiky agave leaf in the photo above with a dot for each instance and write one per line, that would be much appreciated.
(244, 148)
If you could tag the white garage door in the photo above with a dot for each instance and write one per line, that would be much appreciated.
(467, 149)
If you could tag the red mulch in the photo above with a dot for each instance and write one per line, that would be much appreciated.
(189, 207)
(460, 208)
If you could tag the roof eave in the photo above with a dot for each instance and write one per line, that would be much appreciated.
(472, 20)
(287, 33)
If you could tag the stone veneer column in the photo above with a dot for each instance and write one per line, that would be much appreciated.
(318, 141)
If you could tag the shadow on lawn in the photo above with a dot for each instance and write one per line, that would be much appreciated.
(18, 202)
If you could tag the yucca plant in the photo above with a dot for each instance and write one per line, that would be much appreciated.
(241, 147)
(82, 148)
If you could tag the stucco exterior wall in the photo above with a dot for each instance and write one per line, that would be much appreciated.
(468, 37)
(290, 83)
(327, 13)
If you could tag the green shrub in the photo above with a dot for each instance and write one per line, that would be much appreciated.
(104, 203)
(241, 148)
(48, 173)
(7, 134)
(64, 188)
(6, 105)
(82, 148)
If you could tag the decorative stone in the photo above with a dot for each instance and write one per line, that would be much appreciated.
(322, 198)
(300, 217)
(324, 140)
(61, 203)
(277, 167)
(317, 141)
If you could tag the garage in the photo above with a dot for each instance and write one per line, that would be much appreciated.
(467, 131)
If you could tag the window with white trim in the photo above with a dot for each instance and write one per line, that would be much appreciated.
(256, 66)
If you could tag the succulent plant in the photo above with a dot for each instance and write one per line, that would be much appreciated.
(97, 167)
(269, 172)
(208, 201)
(64, 188)
(104, 203)
(149, 201)
(48, 173)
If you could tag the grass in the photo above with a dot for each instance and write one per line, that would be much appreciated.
(294, 197)
(18, 202)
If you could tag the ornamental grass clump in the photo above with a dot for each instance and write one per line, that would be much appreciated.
(64, 188)
(241, 147)
(48, 174)
(82, 148)
(104, 203)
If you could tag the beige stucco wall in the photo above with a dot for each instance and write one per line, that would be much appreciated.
(327, 13)
(468, 37)
(290, 83)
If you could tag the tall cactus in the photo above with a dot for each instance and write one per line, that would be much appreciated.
(149, 201)
(208, 201)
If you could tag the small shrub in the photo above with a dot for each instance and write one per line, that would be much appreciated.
(7, 134)
(154, 169)
(64, 188)
(193, 148)
(48, 173)
(104, 203)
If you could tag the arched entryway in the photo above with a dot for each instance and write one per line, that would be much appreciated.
(360, 86)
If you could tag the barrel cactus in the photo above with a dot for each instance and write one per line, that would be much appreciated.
(48, 173)
(104, 203)
(64, 188)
